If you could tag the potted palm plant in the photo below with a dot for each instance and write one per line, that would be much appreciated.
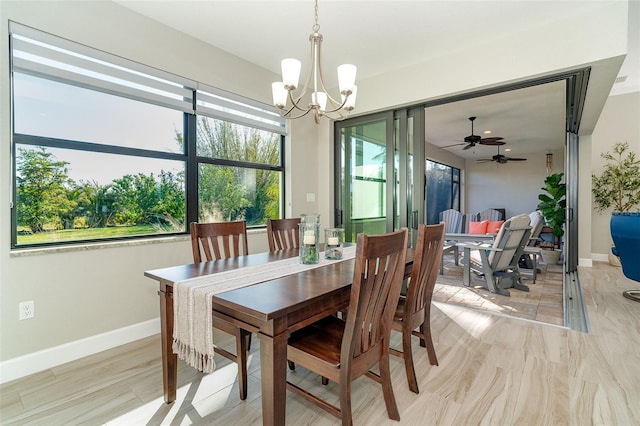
(552, 206)
(618, 188)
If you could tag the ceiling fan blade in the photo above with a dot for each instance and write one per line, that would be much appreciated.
(455, 144)
(471, 145)
(492, 141)
(515, 159)
(484, 160)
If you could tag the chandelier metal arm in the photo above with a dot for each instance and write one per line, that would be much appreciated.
(304, 112)
(322, 85)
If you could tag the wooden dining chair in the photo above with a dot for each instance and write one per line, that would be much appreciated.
(343, 350)
(413, 314)
(221, 240)
(214, 241)
(453, 220)
(283, 233)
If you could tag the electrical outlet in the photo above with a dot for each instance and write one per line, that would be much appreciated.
(27, 310)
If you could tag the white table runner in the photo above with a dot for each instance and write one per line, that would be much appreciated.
(193, 304)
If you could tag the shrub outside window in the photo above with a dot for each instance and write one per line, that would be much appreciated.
(443, 190)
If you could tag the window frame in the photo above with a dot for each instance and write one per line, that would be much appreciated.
(454, 180)
(231, 108)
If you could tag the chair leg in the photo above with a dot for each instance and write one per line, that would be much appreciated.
(387, 388)
(423, 343)
(292, 365)
(241, 360)
(248, 342)
(345, 403)
(425, 330)
(407, 354)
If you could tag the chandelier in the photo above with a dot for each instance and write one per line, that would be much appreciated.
(322, 104)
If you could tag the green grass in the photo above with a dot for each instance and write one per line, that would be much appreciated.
(86, 234)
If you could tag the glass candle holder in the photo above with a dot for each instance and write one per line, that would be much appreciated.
(309, 239)
(333, 243)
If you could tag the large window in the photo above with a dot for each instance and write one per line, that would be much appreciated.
(443, 190)
(105, 148)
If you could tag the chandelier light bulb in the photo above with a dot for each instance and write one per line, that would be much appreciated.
(279, 94)
(347, 78)
(291, 73)
(320, 99)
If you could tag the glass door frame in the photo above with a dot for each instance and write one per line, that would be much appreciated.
(404, 136)
(343, 203)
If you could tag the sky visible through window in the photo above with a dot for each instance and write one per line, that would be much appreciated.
(51, 109)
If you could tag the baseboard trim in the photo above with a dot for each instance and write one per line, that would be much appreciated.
(585, 262)
(22, 366)
(600, 257)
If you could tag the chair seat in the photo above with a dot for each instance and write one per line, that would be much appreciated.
(322, 339)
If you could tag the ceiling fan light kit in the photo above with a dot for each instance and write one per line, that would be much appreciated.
(500, 159)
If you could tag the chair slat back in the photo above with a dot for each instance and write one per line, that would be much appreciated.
(537, 222)
(489, 214)
(377, 279)
(283, 233)
(426, 264)
(511, 238)
(453, 221)
(213, 241)
(466, 218)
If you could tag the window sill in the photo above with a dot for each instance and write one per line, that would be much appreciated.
(35, 251)
(96, 246)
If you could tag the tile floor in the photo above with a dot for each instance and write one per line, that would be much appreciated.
(543, 302)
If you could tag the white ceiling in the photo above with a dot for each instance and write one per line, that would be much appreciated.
(379, 36)
(530, 120)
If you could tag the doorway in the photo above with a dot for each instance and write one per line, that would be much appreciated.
(394, 196)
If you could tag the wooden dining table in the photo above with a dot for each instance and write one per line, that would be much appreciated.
(273, 309)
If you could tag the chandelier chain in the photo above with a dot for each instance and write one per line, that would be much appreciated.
(316, 26)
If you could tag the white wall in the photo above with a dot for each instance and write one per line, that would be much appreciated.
(619, 122)
(84, 293)
(513, 186)
(596, 36)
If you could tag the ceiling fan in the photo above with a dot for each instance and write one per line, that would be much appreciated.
(499, 158)
(473, 139)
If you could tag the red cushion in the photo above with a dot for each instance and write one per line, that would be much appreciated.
(478, 227)
(494, 227)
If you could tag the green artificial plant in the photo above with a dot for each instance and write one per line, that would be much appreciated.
(618, 185)
(553, 204)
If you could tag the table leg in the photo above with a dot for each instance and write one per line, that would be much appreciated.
(169, 359)
(466, 276)
(273, 366)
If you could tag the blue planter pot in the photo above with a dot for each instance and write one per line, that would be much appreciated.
(625, 231)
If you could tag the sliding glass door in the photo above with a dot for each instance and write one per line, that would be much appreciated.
(364, 165)
(379, 186)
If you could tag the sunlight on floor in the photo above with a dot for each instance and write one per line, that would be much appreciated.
(475, 323)
(201, 397)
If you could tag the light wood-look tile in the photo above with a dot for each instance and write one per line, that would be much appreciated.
(494, 369)
(543, 302)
